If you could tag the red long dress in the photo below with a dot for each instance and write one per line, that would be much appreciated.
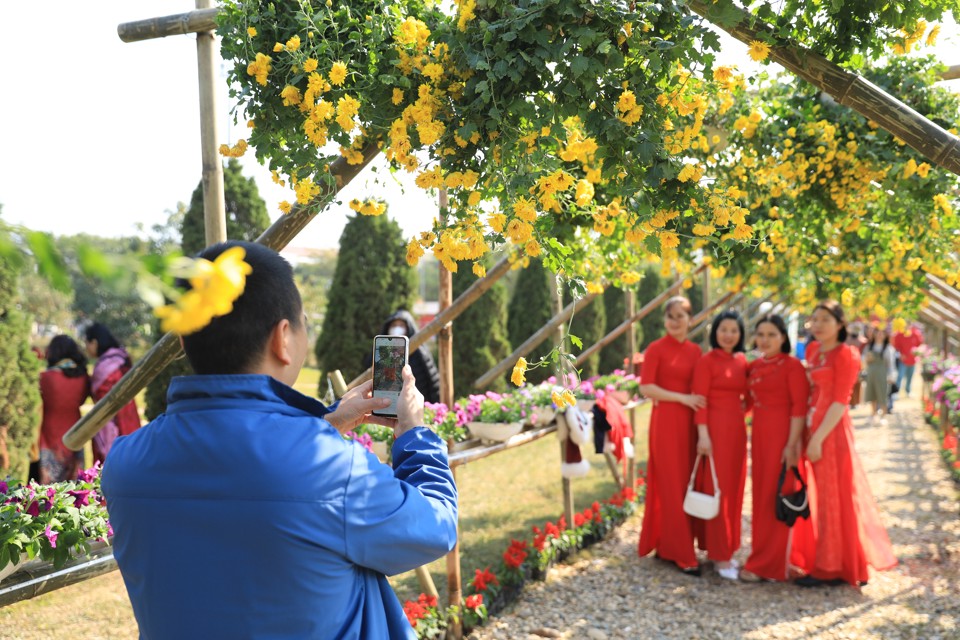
(721, 378)
(62, 396)
(846, 521)
(779, 391)
(669, 364)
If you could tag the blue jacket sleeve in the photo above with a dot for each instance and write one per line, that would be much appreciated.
(397, 521)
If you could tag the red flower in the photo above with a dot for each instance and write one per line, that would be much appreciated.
(427, 601)
(579, 519)
(539, 541)
(515, 554)
(595, 506)
(413, 612)
(484, 578)
(629, 494)
(472, 602)
(552, 530)
(949, 442)
(588, 514)
(562, 523)
(956, 464)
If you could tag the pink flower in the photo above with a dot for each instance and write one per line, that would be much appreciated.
(51, 536)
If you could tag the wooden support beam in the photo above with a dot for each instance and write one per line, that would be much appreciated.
(449, 314)
(944, 288)
(531, 343)
(277, 236)
(849, 89)
(952, 72)
(950, 304)
(214, 202)
(174, 25)
(702, 320)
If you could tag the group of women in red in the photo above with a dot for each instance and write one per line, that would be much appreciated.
(800, 422)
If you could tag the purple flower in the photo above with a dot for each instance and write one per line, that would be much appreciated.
(51, 536)
(365, 440)
(34, 509)
(51, 492)
(3, 486)
(89, 475)
(109, 530)
(81, 498)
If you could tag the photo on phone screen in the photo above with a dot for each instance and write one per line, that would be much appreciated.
(389, 358)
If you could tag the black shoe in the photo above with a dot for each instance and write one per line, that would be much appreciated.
(810, 581)
(691, 571)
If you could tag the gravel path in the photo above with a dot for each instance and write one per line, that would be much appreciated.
(608, 592)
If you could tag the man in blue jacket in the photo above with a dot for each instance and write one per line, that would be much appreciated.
(242, 513)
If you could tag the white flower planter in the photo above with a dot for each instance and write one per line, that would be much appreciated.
(11, 568)
(494, 431)
(544, 415)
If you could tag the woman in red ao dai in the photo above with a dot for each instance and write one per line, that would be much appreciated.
(780, 395)
(847, 524)
(721, 377)
(666, 378)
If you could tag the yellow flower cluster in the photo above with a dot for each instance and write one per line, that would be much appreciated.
(260, 68)
(466, 11)
(306, 190)
(368, 207)
(214, 287)
(758, 50)
(628, 110)
(235, 151)
(905, 42)
(563, 398)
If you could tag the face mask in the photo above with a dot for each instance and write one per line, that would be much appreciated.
(397, 331)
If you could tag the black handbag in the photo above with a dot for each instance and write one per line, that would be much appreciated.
(793, 505)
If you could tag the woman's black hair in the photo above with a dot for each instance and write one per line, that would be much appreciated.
(729, 314)
(65, 348)
(777, 321)
(105, 339)
(833, 308)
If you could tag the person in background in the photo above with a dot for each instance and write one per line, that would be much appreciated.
(721, 377)
(113, 362)
(879, 362)
(424, 368)
(64, 387)
(780, 395)
(905, 342)
(297, 526)
(667, 379)
(857, 338)
(849, 534)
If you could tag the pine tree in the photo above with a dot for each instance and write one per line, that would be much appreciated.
(247, 218)
(19, 390)
(372, 280)
(650, 286)
(479, 336)
(588, 324)
(531, 306)
(615, 311)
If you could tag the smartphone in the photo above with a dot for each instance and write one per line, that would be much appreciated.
(389, 357)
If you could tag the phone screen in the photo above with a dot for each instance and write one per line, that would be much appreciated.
(389, 358)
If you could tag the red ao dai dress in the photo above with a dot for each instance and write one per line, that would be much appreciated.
(847, 524)
(669, 364)
(779, 391)
(721, 378)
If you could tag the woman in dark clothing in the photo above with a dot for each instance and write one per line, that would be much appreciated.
(425, 370)
(64, 387)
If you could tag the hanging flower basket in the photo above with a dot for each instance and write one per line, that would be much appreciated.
(543, 415)
(494, 431)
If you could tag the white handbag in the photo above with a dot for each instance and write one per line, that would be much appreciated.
(698, 504)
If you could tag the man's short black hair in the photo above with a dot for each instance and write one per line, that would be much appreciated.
(234, 343)
(730, 314)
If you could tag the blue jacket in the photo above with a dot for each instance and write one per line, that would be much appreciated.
(242, 513)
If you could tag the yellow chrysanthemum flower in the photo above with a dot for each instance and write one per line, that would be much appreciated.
(252, 32)
(293, 43)
(758, 50)
(215, 286)
(338, 73)
(309, 65)
(519, 370)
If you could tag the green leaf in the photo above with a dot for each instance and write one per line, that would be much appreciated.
(579, 65)
(92, 262)
(49, 262)
(575, 341)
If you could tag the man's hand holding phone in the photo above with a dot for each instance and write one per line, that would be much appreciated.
(357, 407)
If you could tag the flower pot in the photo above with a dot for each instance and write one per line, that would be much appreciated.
(586, 405)
(9, 569)
(381, 450)
(543, 415)
(494, 431)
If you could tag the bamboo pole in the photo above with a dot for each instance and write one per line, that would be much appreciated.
(173, 25)
(168, 347)
(214, 202)
(943, 301)
(945, 325)
(638, 316)
(944, 287)
(849, 89)
(952, 72)
(554, 324)
(630, 303)
(463, 301)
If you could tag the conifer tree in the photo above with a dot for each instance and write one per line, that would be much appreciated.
(615, 312)
(372, 281)
(247, 218)
(19, 371)
(479, 336)
(649, 287)
(531, 306)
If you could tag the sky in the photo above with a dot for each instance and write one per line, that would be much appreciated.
(114, 129)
